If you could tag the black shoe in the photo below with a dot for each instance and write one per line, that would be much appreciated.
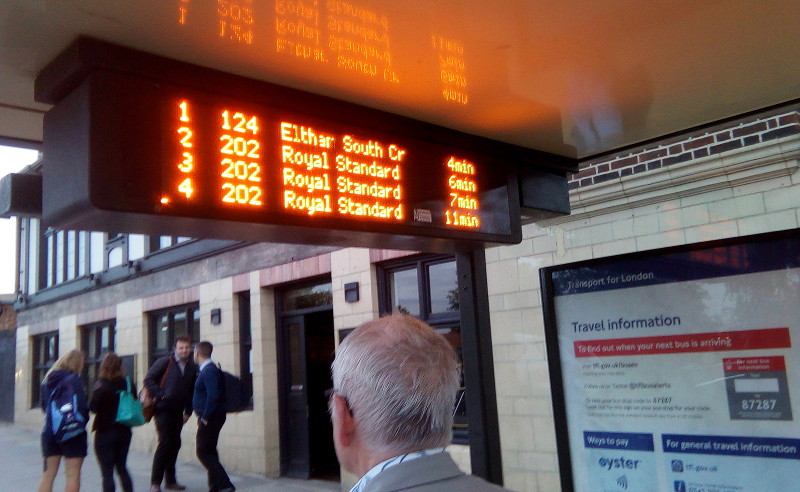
(229, 489)
(175, 486)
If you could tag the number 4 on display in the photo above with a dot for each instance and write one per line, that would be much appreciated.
(186, 187)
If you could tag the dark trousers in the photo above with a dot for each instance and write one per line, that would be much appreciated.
(111, 448)
(168, 424)
(207, 438)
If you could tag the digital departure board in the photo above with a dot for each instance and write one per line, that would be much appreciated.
(187, 151)
(251, 162)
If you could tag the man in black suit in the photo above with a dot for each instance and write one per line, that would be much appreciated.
(209, 405)
(171, 382)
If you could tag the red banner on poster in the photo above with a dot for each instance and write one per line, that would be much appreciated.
(768, 338)
(754, 364)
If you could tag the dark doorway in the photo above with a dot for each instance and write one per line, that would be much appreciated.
(8, 357)
(306, 343)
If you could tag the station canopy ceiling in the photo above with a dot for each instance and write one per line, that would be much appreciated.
(574, 78)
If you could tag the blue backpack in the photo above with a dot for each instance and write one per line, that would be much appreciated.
(66, 421)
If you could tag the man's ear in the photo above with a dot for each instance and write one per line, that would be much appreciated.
(345, 425)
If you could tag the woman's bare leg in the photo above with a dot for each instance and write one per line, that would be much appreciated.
(51, 464)
(73, 472)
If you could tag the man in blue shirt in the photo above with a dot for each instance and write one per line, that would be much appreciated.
(209, 405)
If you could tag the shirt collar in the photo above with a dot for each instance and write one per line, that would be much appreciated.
(383, 465)
(204, 364)
(181, 363)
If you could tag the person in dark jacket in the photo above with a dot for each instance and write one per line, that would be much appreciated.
(171, 382)
(65, 372)
(209, 405)
(111, 440)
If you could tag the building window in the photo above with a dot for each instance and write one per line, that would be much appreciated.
(45, 354)
(97, 244)
(163, 242)
(245, 344)
(136, 246)
(311, 297)
(83, 253)
(50, 257)
(426, 287)
(29, 256)
(60, 256)
(50, 238)
(98, 339)
(69, 254)
(404, 291)
(168, 324)
(116, 249)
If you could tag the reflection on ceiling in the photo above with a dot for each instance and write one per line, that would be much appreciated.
(571, 78)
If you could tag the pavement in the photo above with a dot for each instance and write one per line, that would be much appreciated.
(21, 469)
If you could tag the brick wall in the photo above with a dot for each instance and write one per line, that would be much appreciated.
(744, 134)
(8, 317)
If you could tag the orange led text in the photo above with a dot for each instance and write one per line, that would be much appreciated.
(240, 159)
(186, 161)
(462, 189)
(346, 175)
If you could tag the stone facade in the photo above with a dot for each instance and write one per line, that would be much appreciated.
(747, 188)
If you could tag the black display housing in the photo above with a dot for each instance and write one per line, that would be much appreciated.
(110, 158)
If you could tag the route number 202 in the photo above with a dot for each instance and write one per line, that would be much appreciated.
(249, 195)
(240, 146)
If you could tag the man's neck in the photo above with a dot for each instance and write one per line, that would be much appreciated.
(368, 459)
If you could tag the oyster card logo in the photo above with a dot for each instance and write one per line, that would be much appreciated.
(618, 463)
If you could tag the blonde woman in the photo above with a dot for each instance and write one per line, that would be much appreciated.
(65, 373)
